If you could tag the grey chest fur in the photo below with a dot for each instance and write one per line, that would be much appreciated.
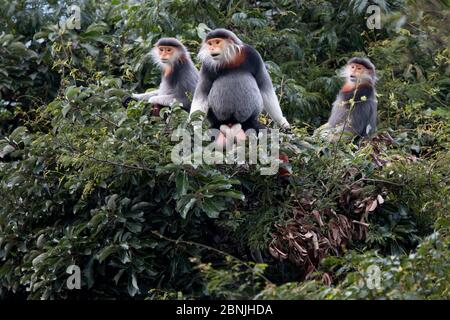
(235, 94)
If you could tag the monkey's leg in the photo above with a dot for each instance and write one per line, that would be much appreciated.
(215, 123)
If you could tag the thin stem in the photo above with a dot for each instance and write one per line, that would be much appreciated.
(191, 243)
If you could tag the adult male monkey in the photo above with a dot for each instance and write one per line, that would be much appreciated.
(179, 75)
(234, 85)
(355, 108)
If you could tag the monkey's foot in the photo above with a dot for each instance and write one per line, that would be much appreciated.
(233, 131)
(221, 140)
(226, 130)
(238, 132)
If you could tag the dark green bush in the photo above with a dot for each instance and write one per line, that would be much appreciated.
(87, 182)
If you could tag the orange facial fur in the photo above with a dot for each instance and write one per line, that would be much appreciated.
(355, 74)
(238, 60)
(166, 52)
(215, 45)
(357, 69)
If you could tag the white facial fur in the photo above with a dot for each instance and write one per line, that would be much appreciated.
(170, 63)
(227, 56)
(365, 77)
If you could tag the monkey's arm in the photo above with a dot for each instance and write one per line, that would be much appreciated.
(200, 101)
(270, 100)
(144, 96)
(363, 118)
(164, 100)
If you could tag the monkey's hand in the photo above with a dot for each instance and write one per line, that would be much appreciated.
(144, 96)
(126, 101)
(284, 124)
(196, 116)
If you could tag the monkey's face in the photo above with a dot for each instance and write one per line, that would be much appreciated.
(218, 52)
(357, 72)
(216, 47)
(167, 54)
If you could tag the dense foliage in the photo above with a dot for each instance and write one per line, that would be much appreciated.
(87, 182)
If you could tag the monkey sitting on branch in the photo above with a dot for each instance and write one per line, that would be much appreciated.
(354, 111)
(234, 86)
(179, 76)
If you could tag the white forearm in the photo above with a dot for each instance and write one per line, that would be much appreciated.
(164, 100)
(272, 107)
(199, 104)
(144, 96)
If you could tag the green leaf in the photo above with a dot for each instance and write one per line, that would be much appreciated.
(90, 49)
(187, 207)
(106, 252)
(212, 208)
(7, 149)
(66, 110)
(182, 183)
(71, 92)
(111, 204)
(39, 259)
(140, 205)
(231, 194)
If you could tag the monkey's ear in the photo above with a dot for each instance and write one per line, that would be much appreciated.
(126, 101)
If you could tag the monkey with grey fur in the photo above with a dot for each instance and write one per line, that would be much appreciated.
(234, 85)
(179, 75)
(355, 108)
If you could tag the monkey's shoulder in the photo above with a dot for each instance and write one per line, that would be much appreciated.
(253, 59)
(251, 53)
(248, 61)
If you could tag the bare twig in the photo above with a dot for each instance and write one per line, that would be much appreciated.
(191, 243)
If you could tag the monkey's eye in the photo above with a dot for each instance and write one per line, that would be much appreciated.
(169, 50)
(217, 42)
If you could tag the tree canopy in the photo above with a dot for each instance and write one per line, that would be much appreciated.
(85, 181)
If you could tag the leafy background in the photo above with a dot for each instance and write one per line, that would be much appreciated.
(85, 181)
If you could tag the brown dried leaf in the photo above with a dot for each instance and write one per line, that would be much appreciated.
(316, 215)
(326, 279)
(372, 206)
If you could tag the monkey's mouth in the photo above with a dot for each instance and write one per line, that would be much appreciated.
(215, 55)
(164, 60)
(353, 78)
